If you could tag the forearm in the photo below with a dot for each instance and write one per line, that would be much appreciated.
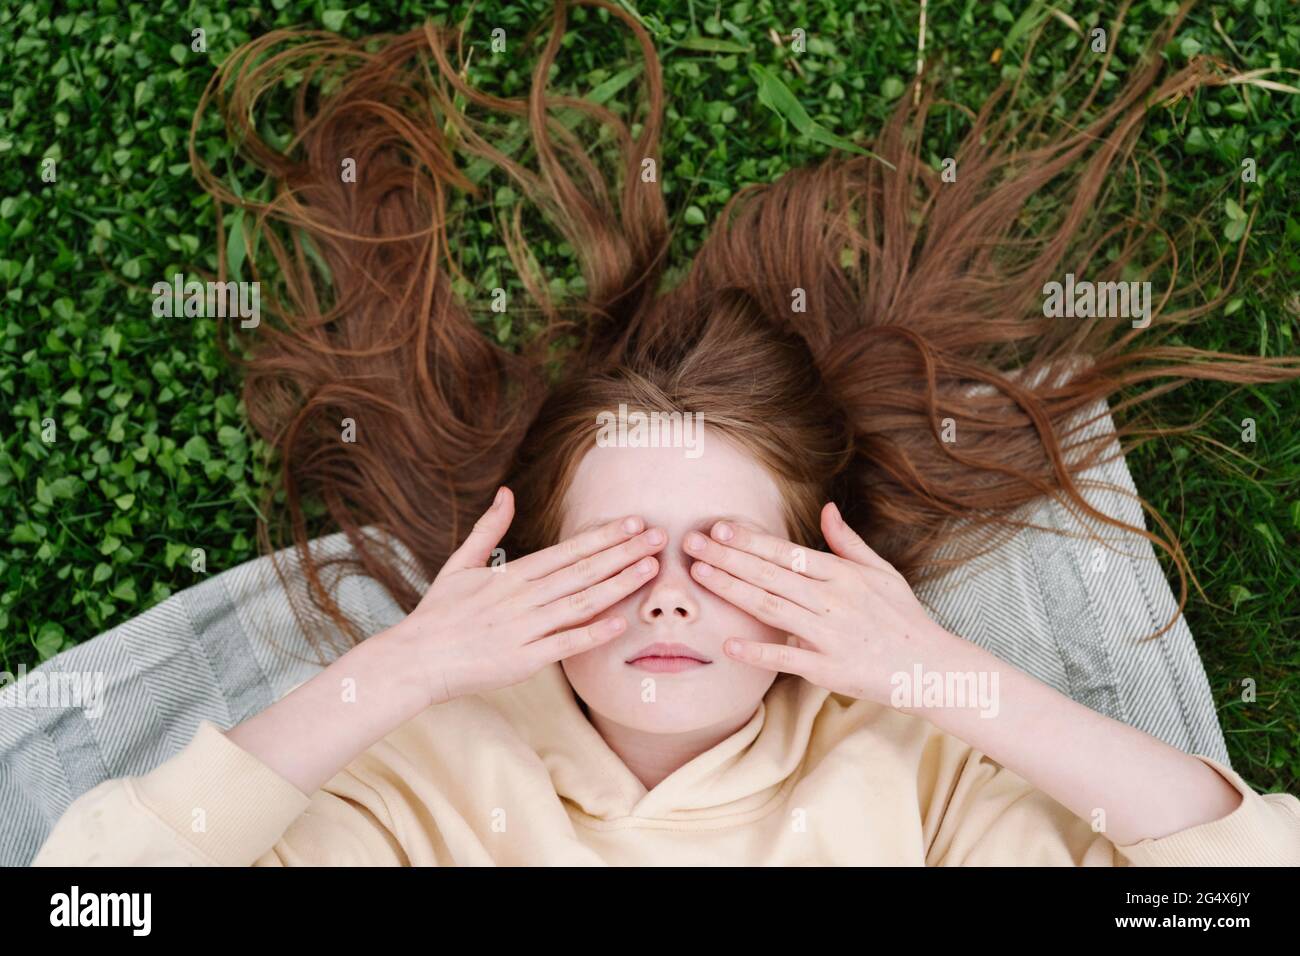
(475, 630)
(318, 729)
(1082, 759)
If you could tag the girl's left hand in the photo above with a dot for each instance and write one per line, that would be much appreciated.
(856, 620)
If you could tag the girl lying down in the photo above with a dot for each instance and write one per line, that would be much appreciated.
(682, 651)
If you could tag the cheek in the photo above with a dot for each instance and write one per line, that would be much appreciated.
(597, 664)
(726, 620)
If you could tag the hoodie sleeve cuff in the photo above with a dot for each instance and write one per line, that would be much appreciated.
(220, 798)
(1264, 830)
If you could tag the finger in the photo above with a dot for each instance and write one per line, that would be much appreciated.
(785, 554)
(846, 542)
(759, 572)
(486, 534)
(587, 603)
(570, 550)
(556, 647)
(775, 657)
(585, 572)
(763, 605)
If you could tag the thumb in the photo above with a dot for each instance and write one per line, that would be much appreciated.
(486, 534)
(846, 542)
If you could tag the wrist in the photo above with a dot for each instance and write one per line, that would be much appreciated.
(320, 726)
(947, 680)
(408, 652)
(393, 663)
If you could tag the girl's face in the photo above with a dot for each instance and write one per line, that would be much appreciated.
(680, 495)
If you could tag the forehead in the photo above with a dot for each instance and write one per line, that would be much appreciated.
(671, 490)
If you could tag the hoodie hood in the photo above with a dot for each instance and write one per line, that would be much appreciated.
(739, 773)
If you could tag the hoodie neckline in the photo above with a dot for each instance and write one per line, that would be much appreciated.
(736, 775)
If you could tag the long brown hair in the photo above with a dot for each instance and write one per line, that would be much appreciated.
(922, 301)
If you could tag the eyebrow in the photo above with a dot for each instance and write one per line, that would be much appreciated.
(704, 522)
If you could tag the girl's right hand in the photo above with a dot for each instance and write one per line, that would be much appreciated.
(479, 628)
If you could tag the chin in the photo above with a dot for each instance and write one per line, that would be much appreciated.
(680, 703)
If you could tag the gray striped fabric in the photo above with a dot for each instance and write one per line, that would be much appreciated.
(1061, 607)
(1074, 609)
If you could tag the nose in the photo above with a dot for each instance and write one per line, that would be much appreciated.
(668, 598)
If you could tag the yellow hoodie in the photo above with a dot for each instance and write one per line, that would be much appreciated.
(519, 776)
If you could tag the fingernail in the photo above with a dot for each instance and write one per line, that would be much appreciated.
(501, 496)
(704, 570)
(722, 531)
(632, 525)
(835, 512)
(655, 536)
(694, 541)
(645, 566)
(732, 647)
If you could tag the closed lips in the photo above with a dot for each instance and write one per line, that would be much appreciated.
(669, 650)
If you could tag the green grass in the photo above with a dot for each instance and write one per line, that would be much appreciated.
(152, 457)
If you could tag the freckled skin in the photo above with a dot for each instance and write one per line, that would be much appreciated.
(679, 495)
